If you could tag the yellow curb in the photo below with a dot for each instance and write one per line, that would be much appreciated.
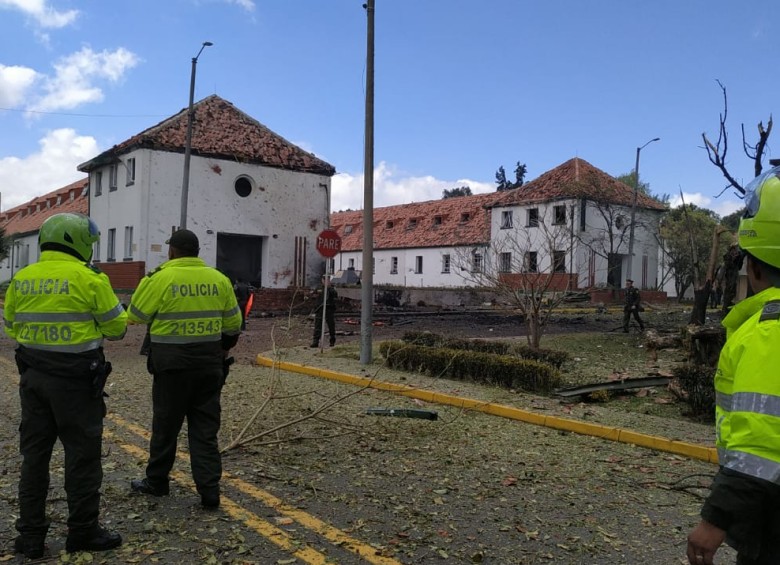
(691, 450)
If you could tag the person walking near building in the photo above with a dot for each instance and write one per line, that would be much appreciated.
(194, 320)
(632, 307)
(243, 292)
(743, 507)
(59, 310)
(326, 300)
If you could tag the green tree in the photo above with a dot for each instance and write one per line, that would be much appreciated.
(731, 222)
(520, 172)
(457, 191)
(501, 181)
(687, 241)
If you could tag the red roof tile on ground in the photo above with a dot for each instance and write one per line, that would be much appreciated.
(27, 218)
(222, 131)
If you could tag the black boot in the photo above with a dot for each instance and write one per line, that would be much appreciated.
(99, 539)
(145, 487)
(33, 548)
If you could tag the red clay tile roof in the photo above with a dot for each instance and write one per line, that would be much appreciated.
(576, 178)
(462, 220)
(27, 218)
(222, 131)
(416, 225)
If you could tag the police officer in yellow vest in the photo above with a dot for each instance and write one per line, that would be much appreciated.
(743, 507)
(194, 320)
(59, 310)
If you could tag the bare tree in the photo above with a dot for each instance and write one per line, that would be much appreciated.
(526, 267)
(716, 152)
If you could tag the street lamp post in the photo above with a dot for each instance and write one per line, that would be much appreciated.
(633, 208)
(185, 183)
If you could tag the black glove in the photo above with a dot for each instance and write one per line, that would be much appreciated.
(226, 363)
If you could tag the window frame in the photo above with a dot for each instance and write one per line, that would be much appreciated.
(507, 220)
(532, 218)
(98, 188)
(505, 262)
(558, 261)
(111, 245)
(557, 219)
(130, 172)
(477, 262)
(446, 263)
(393, 265)
(531, 262)
(113, 172)
(128, 244)
(418, 265)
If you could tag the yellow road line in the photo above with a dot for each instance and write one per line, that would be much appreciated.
(331, 533)
(262, 527)
(700, 452)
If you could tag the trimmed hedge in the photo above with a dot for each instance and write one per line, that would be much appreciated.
(548, 356)
(504, 370)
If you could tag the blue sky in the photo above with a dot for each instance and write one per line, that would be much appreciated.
(462, 86)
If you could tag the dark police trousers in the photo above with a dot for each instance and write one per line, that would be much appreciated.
(65, 408)
(195, 395)
(330, 320)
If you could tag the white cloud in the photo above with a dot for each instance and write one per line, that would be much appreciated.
(722, 207)
(75, 74)
(391, 187)
(42, 12)
(247, 5)
(15, 83)
(52, 167)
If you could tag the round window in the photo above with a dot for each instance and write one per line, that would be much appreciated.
(243, 187)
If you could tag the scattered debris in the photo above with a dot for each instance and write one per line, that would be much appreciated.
(404, 413)
(623, 384)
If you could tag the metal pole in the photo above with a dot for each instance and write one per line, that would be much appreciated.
(633, 209)
(185, 183)
(367, 276)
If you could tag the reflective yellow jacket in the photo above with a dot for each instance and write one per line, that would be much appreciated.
(186, 301)
(747, 388)
(62, 304)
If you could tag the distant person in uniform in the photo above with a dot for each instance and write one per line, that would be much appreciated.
(243, 291)
(59, 310)
(326, 300)
(632, 306)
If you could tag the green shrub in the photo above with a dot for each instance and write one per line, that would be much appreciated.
(549, 356)
(504, 370)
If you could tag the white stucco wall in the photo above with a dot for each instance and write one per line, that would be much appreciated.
(22, 251)
(281, 206)
(432, 274)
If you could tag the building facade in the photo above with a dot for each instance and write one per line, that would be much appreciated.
(572, 222)
(255, 200)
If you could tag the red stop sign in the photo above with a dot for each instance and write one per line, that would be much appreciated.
(328, 243)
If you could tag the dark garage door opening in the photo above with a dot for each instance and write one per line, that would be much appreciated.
(239, 256)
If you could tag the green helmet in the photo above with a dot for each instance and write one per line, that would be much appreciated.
(71, 233)
(759, 228)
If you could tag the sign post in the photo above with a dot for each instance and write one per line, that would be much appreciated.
(328, 245)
